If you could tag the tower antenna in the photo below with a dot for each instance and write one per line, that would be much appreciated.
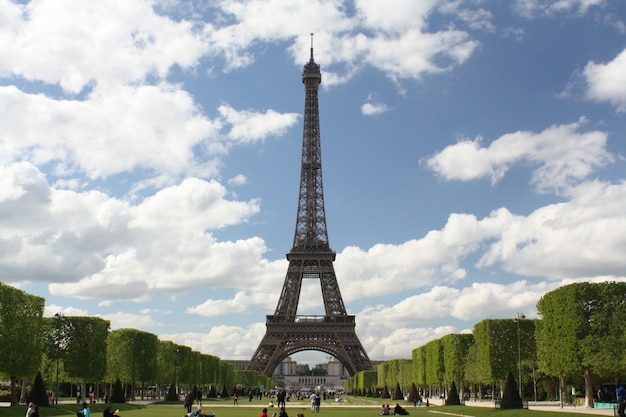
(311, 46)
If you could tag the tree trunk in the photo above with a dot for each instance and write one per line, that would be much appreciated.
(588, 389)
(13, 392)
(23, 391)
(563, 393)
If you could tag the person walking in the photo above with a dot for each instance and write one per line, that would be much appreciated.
(620, 393)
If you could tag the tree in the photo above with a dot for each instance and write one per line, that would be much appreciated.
(21, 320)
(455, 349)
(132, 356)
(85, 354)
(581, 332)
(496, 344)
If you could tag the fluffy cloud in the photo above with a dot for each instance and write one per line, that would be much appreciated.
(607, 81)
(370, 109)
(563, 156)
(112, 42)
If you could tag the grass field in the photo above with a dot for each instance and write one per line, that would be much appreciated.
(364, 407)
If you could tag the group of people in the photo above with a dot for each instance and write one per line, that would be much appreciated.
(398, 410)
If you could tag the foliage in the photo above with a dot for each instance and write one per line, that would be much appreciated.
(171, 394)
(38, 394)
(117, 393)
(132, 355)
(510, 396)
(397, 393)
(497, 346)
(434, 362)
(453, 395)
(581, 332)
(419, 365)
(455, 348)
(413, 393)
(21, 321)
(84, 355)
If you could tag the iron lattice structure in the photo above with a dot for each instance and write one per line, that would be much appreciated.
(310, 258)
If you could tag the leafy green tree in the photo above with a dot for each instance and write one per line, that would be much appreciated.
(21, 323)
(434, 363)
(496, 342)
(85, 354)
(418, 356)
(455, 348)
(581, 332)
(132, 356)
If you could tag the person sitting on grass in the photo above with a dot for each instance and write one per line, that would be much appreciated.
(399, 410)
(108, 413)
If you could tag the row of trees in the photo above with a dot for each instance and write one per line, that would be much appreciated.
(83, 350)
(579, 339)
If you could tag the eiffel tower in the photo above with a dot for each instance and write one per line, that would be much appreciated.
(310, 258)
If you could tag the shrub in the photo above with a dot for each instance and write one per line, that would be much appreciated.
(117, 393)
(453, 395)
(38, 394)
(510, 396)
(171, 394)
(397, 393)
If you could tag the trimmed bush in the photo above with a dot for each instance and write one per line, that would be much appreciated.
(453, 395)
(117, 393)
(171, 394)
(38, 393)
(510, 397)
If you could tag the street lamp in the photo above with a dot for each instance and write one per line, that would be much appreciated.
(60, 317)
(134, 342)
(519, 317)
(176, 353)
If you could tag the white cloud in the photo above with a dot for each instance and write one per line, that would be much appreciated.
(248, 126)
(370, 109)
(563, 154)
(110, 42)
(112, 131)
(582, 237)
(226, 342)
(532, 8)
(607, 81)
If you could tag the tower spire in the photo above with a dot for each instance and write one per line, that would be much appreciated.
(312, 47)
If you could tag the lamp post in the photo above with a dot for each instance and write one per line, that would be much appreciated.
(134, 342)
(60, 317)
(176, 352)
(519, 317)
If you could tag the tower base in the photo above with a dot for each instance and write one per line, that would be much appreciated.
(287, 335)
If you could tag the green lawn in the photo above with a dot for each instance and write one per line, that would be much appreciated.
(224, 408)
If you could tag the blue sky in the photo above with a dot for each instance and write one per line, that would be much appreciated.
(473, 160)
